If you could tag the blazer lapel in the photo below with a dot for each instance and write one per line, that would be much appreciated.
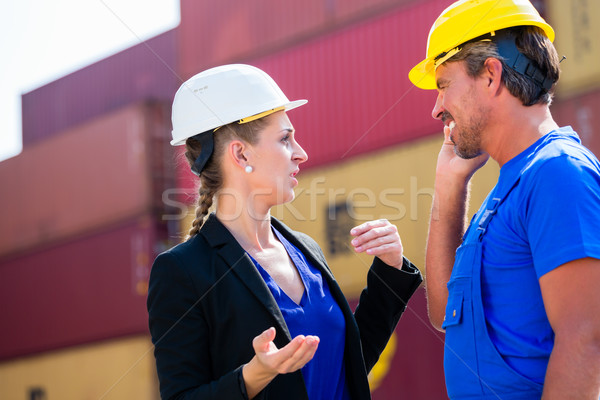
(238, 262)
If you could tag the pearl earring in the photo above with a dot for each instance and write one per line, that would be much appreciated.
(248, 169)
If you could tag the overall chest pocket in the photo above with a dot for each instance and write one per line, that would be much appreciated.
(454, 309)
(459, 286)
(460, 356)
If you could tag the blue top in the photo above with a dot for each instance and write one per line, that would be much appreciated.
(550, 218)
(317, 314)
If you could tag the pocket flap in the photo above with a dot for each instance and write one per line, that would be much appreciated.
(454, 309)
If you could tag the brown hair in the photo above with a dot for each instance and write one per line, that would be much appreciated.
(532, 42)
(211, 178)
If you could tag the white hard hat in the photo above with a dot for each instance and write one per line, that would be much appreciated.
(222, 95)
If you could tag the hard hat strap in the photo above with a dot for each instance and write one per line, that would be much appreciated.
(258, 116)
(442, 58)
(207, 144)
(255, 117)
(507, 48)
(445, 56)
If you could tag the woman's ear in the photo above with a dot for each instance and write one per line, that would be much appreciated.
(237, 150)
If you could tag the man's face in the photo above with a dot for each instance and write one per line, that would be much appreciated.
(459, 107)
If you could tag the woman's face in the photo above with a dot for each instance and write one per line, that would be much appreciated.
(275, 158)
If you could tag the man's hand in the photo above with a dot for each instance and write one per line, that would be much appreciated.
(448, 163)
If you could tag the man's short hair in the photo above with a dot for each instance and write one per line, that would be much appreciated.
(530, 41)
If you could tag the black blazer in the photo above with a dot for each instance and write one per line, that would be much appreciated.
(207, 301)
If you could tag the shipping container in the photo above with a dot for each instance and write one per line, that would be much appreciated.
(214, 33)
(355, 10)
(222, 32)
(124, 368)
(85, 290)
(577, 33)
(542, 7)
(395, 183)
(411, 366)
(147, 71)
(91, 176)
(356, 81)
(583, 114)
(110, 370)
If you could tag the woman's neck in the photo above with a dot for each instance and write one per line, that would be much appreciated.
(250, 225)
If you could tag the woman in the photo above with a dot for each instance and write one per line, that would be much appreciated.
(247, 308)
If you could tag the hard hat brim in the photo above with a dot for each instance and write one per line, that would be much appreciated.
(423, 75)
(288, 106)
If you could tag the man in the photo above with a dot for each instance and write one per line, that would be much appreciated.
(519, 299)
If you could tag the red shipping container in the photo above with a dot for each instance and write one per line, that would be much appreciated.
(146, 71)
(90, 289)
(86, 178)
(583, 114)
(221, 32)
(356, 81)
(214, 33)
(353, 10)
(416, 370)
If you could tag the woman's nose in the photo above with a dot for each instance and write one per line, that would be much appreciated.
(299, 154)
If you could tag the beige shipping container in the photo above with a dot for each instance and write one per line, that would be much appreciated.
(84, 179)
(583, 114)
(396, 184)
(112, 370)
(577, 37)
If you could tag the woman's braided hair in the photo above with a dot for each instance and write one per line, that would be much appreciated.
(211, 177)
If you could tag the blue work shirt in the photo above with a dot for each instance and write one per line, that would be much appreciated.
(550, 218)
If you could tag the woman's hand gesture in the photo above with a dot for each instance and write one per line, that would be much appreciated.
(379, 238)
(270, 361)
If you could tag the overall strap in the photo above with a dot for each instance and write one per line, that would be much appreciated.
(498, 198)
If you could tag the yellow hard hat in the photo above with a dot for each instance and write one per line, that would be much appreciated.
(468, 19)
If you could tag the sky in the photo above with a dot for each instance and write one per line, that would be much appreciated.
(41, 41)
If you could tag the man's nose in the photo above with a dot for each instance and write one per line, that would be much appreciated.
(438, 108)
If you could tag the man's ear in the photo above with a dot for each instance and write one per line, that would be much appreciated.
(492, 72)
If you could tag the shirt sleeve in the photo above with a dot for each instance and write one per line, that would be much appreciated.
(562, 213)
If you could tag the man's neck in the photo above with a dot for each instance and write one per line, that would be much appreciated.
(516, 129)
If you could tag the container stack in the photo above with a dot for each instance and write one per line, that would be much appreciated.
(371, 142)
(82, 223)
(578, 92)
(97, 192)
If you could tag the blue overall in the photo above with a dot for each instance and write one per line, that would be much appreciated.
(473, 367)
(498, 337)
